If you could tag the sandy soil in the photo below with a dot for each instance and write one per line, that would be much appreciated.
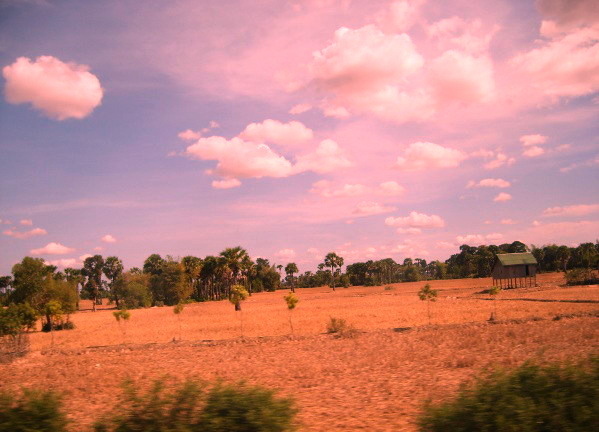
(376, 380)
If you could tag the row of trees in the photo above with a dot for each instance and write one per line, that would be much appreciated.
(170, 281)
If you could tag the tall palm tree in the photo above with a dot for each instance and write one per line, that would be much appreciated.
(333, 261)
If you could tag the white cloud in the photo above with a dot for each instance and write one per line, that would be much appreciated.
(533, 151)
(459, 76)
(27, 222)
(328, 157)
(240, 159)
(285, 254)
(427, 155)
(409, 230)
(60, 90)
(52, 249)
(391, 188)
(416, 220)
(502, 196)
(508, 221)
(366, 71)
(226, 184)
(108, 239)
(99, 248)
(500, 160)
(325, 189)
(292, 134)
(478, 239)
(300, 108)
(65, 262)
(25, 234)
(572, 210)
(369, 208)
(531, 140)
(489, 182)
(189, 135)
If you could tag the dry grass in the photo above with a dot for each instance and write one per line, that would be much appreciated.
(375, 381)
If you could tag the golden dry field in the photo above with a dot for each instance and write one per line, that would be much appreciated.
(375, 380)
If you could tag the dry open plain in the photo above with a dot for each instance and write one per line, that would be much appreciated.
(375, 380)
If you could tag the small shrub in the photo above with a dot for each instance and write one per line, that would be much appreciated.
(340, 328)
(191, 407)
(32, 411)
(530, 398)
(389, 288)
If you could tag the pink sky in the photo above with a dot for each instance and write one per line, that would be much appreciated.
(372, 128)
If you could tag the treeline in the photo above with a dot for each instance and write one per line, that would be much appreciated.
(54, 294)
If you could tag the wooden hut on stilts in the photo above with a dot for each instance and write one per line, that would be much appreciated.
(514, 270)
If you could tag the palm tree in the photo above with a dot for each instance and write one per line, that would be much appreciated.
(333, 261)
(192, 266)
(290, 269)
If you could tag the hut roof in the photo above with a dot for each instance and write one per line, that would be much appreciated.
(516, 259)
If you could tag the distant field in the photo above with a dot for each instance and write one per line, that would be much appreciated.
(376, 380)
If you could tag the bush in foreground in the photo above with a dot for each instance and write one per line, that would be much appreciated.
(32, 411)
(190, 407)
(530, 398)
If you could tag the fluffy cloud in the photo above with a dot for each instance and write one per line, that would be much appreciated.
(457, 33)
(573, 210)
(366, 70)
(325, 189)
(300, 108)
(189, 135)
(531, 144)
(461, 77)
(27, 222)
(508, 222)
(25, 234)
(426, 155)
(533, 151)
(531, 140)
(368, 208)
(400, 16)
(292, 134)
(226, 184)
(240, 159)
(501, 197)
(52, 249)
(415, 220)
(327, 157)
(489, 182)
(285, 254)
(567, 62)
(499, 160)
(60, 90)
(391, 188)
(108, 239)
(478, 239)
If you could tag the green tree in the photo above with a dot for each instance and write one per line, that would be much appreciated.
(28, 282)
(333, 261)
(429, 295)
(168, 285)
(113, 270)
(290, 270)
(92, 269)
(32, 411)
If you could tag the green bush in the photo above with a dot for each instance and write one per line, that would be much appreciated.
(242, 408)
(530, 398)
(190, 407)
(16, 318)
(33, 411)
(581, 276)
